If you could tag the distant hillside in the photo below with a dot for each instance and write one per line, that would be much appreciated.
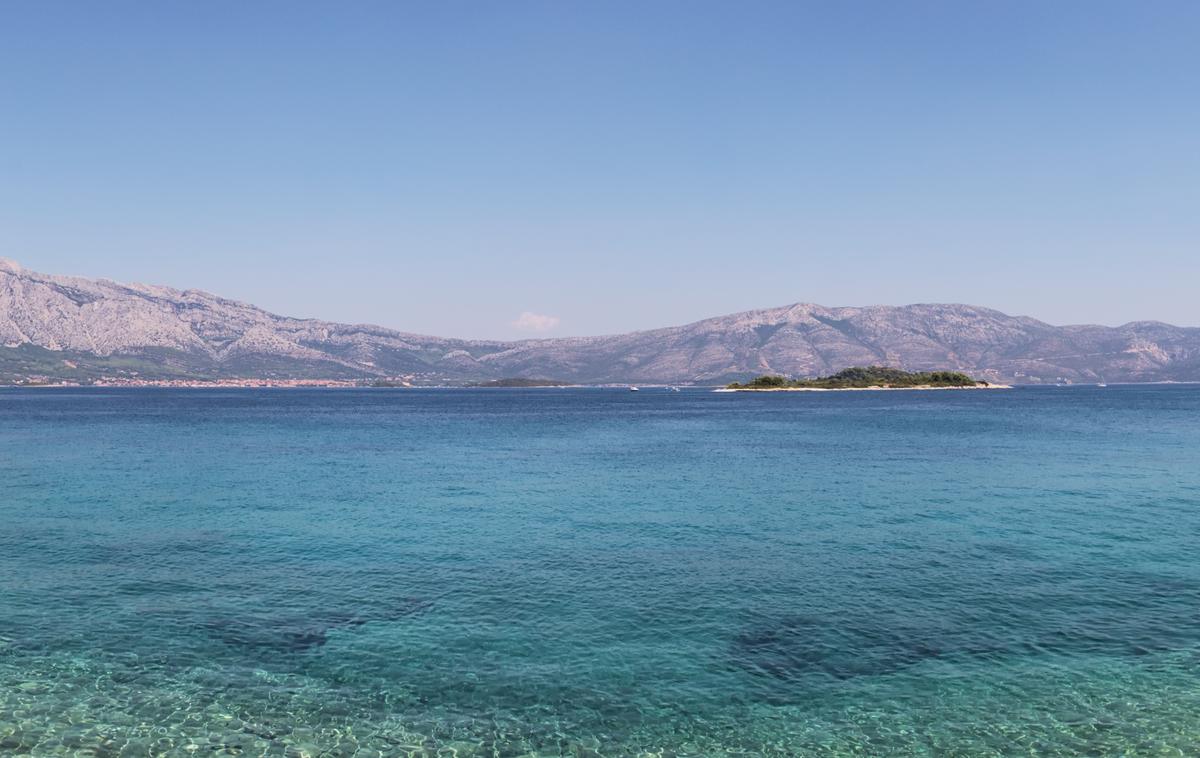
(74, 328)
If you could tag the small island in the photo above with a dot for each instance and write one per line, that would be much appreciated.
(867, 378)
(520, 381)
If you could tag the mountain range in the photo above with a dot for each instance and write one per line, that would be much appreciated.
(70, 328)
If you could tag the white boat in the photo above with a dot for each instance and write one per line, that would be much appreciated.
(1101, 384)
(633, 389)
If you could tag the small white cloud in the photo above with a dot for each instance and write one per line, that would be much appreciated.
(535, 322)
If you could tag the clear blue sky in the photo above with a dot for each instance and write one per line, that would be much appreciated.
(443, 167)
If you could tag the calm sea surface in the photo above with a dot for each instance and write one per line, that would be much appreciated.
(599, 572)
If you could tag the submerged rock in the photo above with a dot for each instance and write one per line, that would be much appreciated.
(297, 634)
(796, 646)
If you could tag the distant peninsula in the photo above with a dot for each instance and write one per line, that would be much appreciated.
(867, 378)
(62, 330)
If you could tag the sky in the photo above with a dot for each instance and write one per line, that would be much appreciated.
(517, 169)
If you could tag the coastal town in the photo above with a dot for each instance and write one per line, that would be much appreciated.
(238, 383)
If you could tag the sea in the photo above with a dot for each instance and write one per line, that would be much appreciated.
(598, 572)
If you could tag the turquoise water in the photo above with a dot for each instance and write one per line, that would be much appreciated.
(598, 572)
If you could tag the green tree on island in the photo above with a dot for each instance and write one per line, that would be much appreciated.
(858, 377)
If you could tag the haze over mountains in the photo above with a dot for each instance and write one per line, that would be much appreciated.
(61, 327)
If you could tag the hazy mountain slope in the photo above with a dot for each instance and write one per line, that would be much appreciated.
(209, 335)
(68, 326)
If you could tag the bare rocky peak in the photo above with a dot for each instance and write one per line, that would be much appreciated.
(197, 331)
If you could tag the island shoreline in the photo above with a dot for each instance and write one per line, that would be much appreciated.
(862, 389)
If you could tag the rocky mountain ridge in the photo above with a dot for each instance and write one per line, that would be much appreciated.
(70, 327)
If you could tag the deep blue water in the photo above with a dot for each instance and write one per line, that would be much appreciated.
(598, 572)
